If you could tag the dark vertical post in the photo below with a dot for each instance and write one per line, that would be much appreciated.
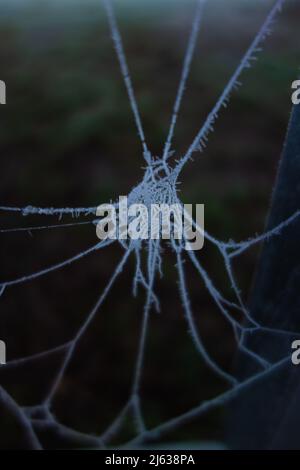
(269, 415)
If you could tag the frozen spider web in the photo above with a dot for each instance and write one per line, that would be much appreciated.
(158, 185)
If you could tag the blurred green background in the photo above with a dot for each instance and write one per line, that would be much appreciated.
(67, 138)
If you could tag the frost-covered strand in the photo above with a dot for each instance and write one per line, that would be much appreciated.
(137, 414)
(213, 291)
(139, 278)
(54, 267)
(219, 300)
(84, 326)
(36, 357)
(63, 432)
(34, 228)
(152, 264)
(116, 36)
(201, 137)
(234, 284)
(117, 423)
(242, 246)
(22, 421)
(206, 406)
(184, 75)
(59, 211)
(193, 330)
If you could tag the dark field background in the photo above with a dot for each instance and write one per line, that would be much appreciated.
(67, 138)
